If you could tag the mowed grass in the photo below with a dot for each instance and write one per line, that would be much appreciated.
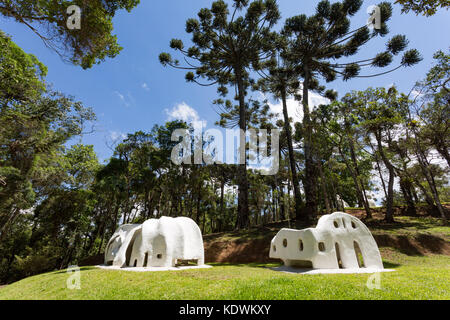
(416, 277)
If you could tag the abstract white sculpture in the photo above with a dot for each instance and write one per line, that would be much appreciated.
(156, 243)
(337, 242)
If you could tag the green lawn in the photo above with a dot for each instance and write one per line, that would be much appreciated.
(416, 277)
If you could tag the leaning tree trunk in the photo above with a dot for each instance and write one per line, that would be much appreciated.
(295, 181)
(424, 165)
(390, 195)
(359, 193)
(405, 187)
(428, 199)
(443, 151)
(432, 184)
(365, 203)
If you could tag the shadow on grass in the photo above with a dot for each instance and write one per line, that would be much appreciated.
(249, 265)
(81, 270)
(390, 265)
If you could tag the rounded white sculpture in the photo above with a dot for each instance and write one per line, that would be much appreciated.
(339, 241)
(160, 242)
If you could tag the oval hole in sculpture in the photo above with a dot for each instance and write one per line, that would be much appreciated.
(285, 243)
(159, 256)
(274, 248)
(359, 255)
(300, 243)
(130, 248)
(353, 225)
(338, 255)
(145, 260)
(343, 222)
(336, 224)
(321, 246)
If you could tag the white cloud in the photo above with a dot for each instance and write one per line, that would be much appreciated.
(416, 94)
(184, 112)
(295, 108)
(116, 136)
(145, 86)
(126, 100)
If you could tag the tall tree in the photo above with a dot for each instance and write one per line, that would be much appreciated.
(431, 99)
(382, 112)
(326, 36)
(279, 76)
(35, 123)
(226, 44)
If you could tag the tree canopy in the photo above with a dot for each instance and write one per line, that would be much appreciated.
(91, 44)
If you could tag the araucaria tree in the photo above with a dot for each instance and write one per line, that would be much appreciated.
(225, 47)
(280, 77)
(318, 42)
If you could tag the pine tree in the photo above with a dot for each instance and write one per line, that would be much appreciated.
(225, 46)
(279, 76)
(320, 40)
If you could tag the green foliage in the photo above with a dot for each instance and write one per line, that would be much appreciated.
(35, 123)
(423, 7)
(48, 19)
(21, 74)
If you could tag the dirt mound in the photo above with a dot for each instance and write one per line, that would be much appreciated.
(92, 260)
(238, 251)
(420, 244)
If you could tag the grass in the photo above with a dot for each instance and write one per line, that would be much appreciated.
(416, 277)
(405, 225)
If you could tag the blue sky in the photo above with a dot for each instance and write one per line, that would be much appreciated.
(133, 91)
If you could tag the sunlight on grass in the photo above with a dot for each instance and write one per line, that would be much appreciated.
(414, 278)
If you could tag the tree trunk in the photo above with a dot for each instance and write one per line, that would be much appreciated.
(359, 193)
(243, 211)
(390, 195)
(365, 203)
(294, 177)
(428, 198)
(405, 187)
(443, 151)
(424, 165)
(324, 188)
(222, 207)
(310, 182)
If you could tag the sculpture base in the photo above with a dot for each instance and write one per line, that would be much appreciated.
(329, 271)
(153, 269)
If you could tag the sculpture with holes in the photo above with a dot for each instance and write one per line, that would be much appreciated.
(164, 242)
(340, 241)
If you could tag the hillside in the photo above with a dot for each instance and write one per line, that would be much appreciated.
(417, 236)
(418, 248)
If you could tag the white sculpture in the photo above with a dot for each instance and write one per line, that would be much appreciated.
(156, 243)
(338, 241)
